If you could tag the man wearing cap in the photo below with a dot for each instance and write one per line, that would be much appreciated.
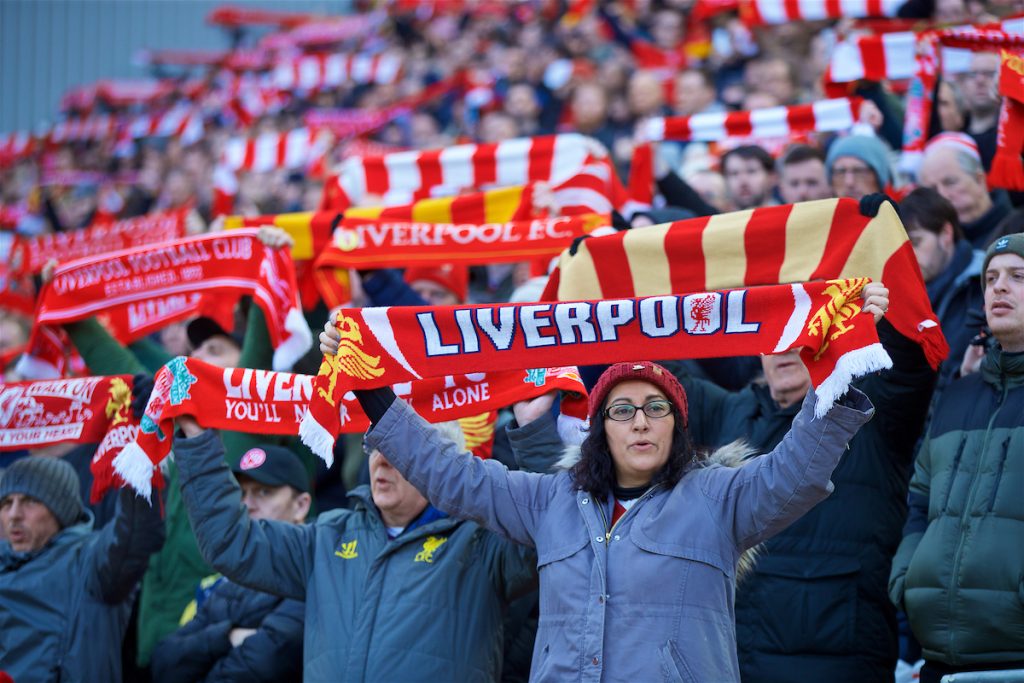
(237, 633)
(394, 589)
(958, 572)
(66, 590)
(858, 165)
(952, 167)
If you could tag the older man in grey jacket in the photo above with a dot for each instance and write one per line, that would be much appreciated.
(395, 590)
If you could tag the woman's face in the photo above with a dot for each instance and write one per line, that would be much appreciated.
(640, 446)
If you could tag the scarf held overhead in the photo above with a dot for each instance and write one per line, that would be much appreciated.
(823, 239)
(138, 291)
(31, 254)
(385, 346)
(264, 402)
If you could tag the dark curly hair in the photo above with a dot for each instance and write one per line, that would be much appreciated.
(595, 470)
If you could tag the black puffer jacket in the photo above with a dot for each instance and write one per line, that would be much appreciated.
(201, 650)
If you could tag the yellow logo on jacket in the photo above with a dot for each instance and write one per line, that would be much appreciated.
(348, 550)
(429, 546)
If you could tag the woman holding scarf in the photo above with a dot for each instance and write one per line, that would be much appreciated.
(638, 543)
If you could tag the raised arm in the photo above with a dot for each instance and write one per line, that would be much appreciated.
(270, 556)
(768, 493)
(121, 553)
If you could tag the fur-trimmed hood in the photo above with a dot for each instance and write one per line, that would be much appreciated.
(735, 454)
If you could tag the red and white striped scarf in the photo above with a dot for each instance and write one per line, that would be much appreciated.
(299, 148)
(185, 123)
(760, 12)
(315, 72)
(771, 122)
(384, 346)
(405, 176)
(139, 291)
(274, 403)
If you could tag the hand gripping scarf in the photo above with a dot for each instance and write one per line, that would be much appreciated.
(385, 346)
(265, 402)
(138, 291)
(794, 243)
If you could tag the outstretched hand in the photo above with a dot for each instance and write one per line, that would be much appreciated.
(274, 237)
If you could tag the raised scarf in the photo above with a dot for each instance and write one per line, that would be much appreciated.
(30, 254)
(314, 72)
(1007, 170)
(771, 122)
(761, 12)
(385, 346)
(274, 403)
(138, 291)
(823, 239)
(402, 177)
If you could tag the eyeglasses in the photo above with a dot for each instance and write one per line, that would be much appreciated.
(855, 171)
(624, 412)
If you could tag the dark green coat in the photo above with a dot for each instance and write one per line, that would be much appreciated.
(959, 573)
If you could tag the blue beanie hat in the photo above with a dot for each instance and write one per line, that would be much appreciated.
(868, 149)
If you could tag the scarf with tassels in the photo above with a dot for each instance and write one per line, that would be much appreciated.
(824, 239)
(274, 403)
(139, 291)
(384, 346)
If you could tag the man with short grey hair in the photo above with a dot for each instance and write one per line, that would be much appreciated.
(952, 167)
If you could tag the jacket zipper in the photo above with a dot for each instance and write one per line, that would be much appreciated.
(604, 517)
(966, 513)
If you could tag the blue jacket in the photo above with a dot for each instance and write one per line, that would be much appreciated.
(426, 606)
(201, 650)
(652, 598)
(65, 607)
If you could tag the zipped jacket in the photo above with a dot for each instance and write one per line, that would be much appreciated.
(650, 599)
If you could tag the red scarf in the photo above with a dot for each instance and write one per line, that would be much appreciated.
(36, 414)
(141, 290)
(366, 243)
(384, 346)
(1007, 170)
(760, 12)
(794, 243)
(264, 402)
(31, 253)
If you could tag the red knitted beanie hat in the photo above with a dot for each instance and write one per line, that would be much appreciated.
(644, 371)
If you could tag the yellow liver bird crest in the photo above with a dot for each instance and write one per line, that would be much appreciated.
(350, 359)
(832, 320)
(120, 398)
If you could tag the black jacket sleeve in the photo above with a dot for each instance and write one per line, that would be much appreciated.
(677, 192)
(273, 653)
(121, 554)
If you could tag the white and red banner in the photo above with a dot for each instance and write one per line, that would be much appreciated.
(329, 70)
(759, 12)
(295, 149)
(405, 176)
(823, 116)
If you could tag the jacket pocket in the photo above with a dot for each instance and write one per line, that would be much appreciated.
(564, 572)
(800, 605)
(673, 667)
